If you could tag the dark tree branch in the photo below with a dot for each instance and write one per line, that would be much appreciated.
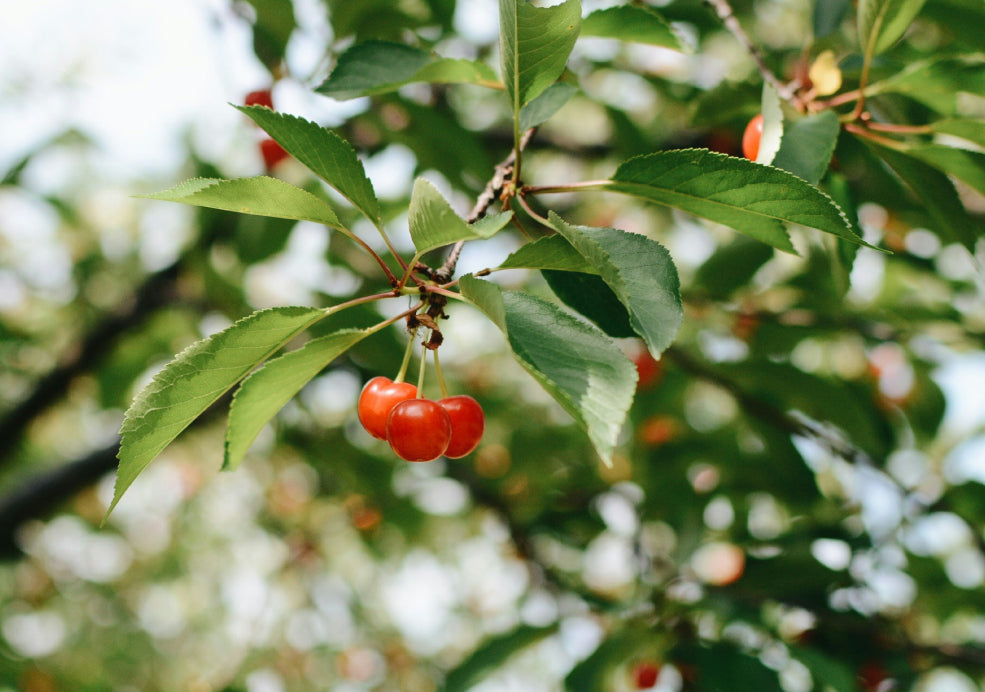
(158, 290)
(42, 494)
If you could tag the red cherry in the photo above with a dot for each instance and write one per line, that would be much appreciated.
(751, 137)
(272, 153)
(645, 675)
(260, 97)
(377, 399)
(467, 424)
(649, 369)
(418, 430)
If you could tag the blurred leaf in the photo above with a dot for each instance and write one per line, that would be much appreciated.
(828, 673)
(327, 155)
(824, 399)
(262, 196)
(844, 253)
(726, 103)
(592, 297)
(749, 197)
(585, 372)
(438, 140)
(807, 146)
(971, 130)
(639, 271)
(272, 30)
(549, 102)
(492, 654)
(534, 44)
(731, 267)
(265, 391)
(882, 22)
(433, 223)
(828, 16)
(964, 19)
(377, 67)
(636, 23)
(722, 668)
(549, 252)
(936, 193)
(595, 672)
(195, 379)
(938, 83)
(967, 166)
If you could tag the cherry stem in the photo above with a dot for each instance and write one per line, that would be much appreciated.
(441, 377)
(393, 251)
(379, 260)
(359, 301)
(410, 345)
(901, 129)
(443, 290)
(420, 374)
(867, 134)
(534, 215)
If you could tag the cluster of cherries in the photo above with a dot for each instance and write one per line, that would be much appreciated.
(420, 429)
(272, 152)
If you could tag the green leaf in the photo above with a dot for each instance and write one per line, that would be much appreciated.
(376, 67)
(937, 83)
(967, 166)
(266, 390)
(596, 672)
(937, 194)
(634, 23)
(550, 101)
(971, 130)
(807, 146)
(582, 368)
(829, 673)
(195, 379)
(882, 22)
(492, 654)
(327, 155)
(275, 22)
(592, 297)
(828, 15)
(261, 196)
(433, 223)
(641, 274)
(726, 669)
(731, 267)
(549, 252)
(751, 198)
(534, 44)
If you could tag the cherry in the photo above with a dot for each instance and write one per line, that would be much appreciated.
(467, 424)
(648, 368)
(377, 399)
(751, 137)
(418, 430)
(272, 153)
(645, 675)
(261, 97)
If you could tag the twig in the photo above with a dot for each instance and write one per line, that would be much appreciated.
(489, 194)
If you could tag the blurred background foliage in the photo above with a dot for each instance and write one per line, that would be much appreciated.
(797, 504)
